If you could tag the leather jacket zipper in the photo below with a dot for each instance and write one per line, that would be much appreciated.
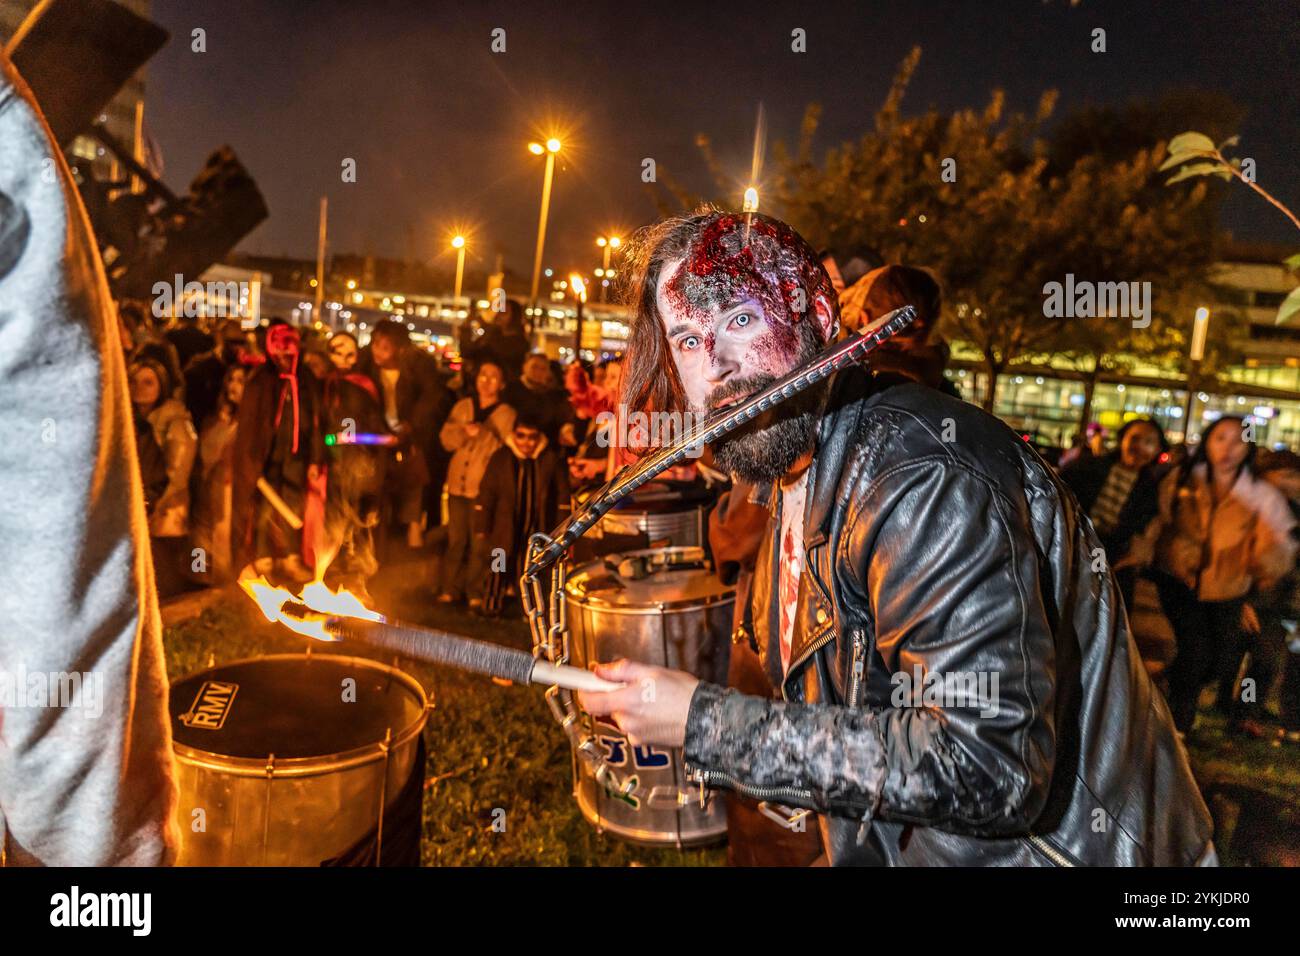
(1049, 851)
(858, 667)
(714, 778)
(809, 651)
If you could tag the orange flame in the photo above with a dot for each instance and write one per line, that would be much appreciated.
(340, 603)
(271, 601)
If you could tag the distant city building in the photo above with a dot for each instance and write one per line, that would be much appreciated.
(1045, 399)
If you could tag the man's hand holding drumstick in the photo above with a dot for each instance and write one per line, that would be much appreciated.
(652, 706)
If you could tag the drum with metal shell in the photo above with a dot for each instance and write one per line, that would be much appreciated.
(663, 607)
(299, 760)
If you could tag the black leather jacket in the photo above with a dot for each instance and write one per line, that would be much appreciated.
(939, 544)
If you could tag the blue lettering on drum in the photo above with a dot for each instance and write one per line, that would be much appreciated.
(615, 749)
(644, 757)
(650, 759)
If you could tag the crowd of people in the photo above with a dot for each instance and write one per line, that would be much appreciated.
(1214, 527)
(282, 450)
(290, 452)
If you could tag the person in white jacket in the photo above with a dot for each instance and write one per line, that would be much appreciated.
(1221, 540)
(86, 774)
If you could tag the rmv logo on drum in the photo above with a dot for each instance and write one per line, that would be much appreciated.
(211, 706)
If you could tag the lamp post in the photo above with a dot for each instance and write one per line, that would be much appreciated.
(1199, 330)
(458, 243)
(579, 288)
(750, 207)
(320, 259)
(609, 244)
(549, 150)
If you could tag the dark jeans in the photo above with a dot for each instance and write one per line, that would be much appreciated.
(1269, 657)
(1209, 638)
(464, 562)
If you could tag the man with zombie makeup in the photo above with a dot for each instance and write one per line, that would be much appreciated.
(278, 437)
(959, 686)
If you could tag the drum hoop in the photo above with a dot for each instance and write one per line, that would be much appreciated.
(587, 599)
(309, 766)
(679, 606)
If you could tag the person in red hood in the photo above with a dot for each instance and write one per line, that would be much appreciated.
(279, 438)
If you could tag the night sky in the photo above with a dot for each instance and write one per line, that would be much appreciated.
(439, 125)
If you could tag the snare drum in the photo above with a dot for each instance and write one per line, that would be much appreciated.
(299, 760)
(666, 608)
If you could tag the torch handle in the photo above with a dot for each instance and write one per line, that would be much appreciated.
(465, 653)
(570, 678)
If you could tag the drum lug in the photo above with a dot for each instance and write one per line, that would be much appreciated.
(669, 798)
(787, 817)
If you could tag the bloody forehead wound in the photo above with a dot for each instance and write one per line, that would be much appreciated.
(731, 261)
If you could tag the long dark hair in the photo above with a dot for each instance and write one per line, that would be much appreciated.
(1200, 455)
(650, 379)
(1134, 423)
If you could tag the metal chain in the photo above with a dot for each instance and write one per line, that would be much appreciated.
(549, 624)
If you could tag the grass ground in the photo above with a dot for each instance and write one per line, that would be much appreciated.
(493, 747)
(1253, 790)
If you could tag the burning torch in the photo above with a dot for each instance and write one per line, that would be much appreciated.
(327, 615)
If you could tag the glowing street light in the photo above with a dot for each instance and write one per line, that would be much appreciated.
(578, 286)
(458, 243)
(1199, 330)
(750, 207)
(537, 149)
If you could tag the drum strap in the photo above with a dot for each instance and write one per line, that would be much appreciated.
(745, 629)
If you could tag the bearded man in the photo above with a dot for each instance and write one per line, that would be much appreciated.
(958, 684)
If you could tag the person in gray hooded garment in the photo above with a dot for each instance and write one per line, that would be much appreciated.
(86, 774)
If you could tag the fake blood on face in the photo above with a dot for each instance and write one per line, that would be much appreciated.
(721, 269)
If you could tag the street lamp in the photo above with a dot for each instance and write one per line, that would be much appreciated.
(1199, 330)
(750, 207)
(458, 243)
(578, 286)
(609, 244)
(549, 150)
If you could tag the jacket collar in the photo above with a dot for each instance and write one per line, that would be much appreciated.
(510, 441)
(837, 430)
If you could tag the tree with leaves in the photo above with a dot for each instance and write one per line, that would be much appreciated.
(1195, 156)
(998, 208)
